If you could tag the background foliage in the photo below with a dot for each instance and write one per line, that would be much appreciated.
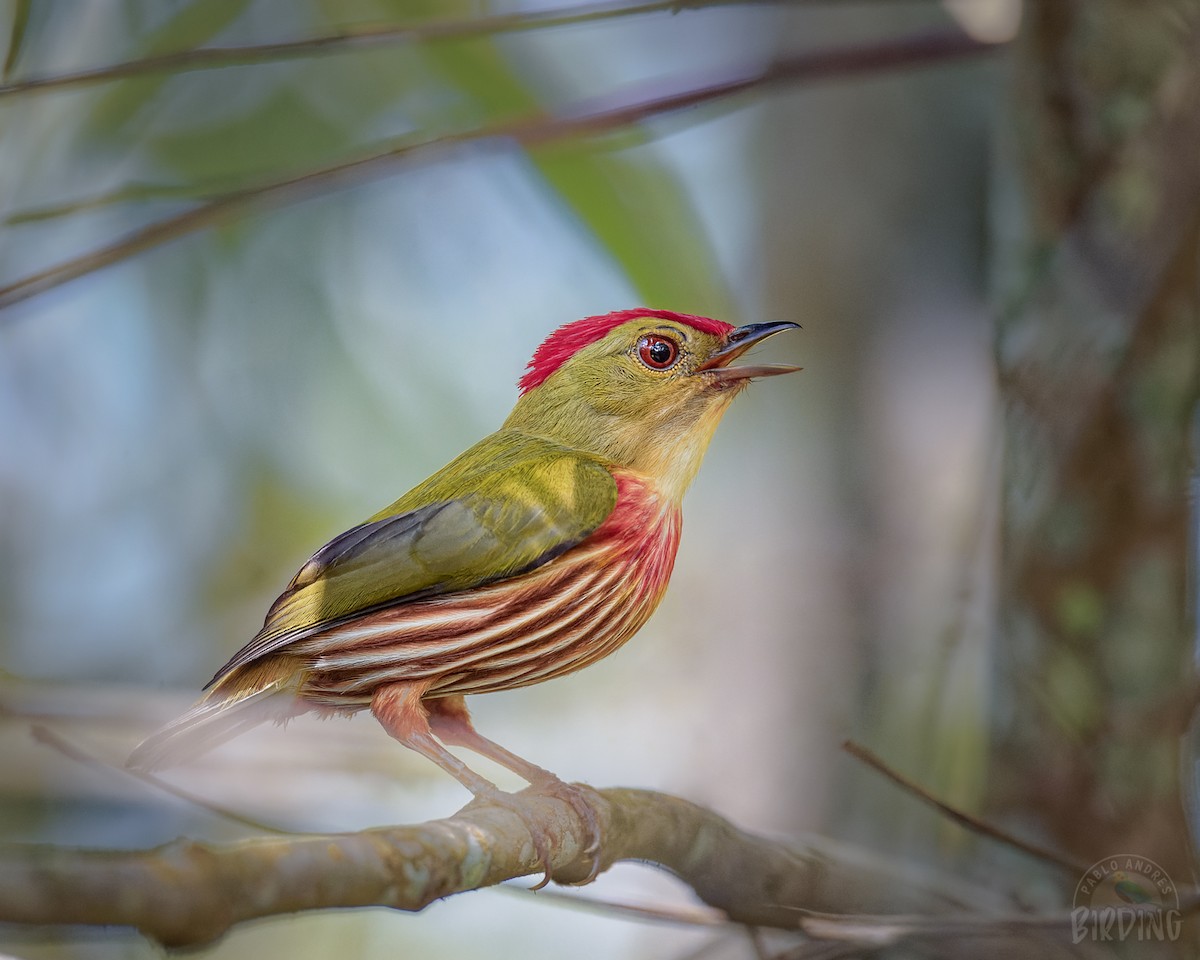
(961, 536)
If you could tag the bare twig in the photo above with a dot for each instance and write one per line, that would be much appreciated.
(135, 191)
(359, 37)
(689, 916)
(966, 820)
(72, 751)
(936, 46)
(1050, 930)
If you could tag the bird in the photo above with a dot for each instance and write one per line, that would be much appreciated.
(1129, 890)
(541, 549)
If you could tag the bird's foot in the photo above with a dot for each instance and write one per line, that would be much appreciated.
(573, 794)
(538, 833)
(576, 796)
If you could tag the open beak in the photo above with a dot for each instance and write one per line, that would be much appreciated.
(738, 342)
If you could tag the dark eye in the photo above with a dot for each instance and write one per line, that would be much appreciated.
(658, 353)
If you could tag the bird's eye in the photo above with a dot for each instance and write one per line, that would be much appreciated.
(658, 353)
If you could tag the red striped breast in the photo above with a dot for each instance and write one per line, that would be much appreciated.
(564, 615)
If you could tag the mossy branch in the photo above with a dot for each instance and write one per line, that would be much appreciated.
(188, 893)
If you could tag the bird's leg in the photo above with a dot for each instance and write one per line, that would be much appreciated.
(451, 723)
(398, 707)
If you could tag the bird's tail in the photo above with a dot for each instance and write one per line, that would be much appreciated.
(223, 714)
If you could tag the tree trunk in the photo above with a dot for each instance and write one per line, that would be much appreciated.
(1099, 360)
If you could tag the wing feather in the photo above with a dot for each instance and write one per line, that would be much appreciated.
(508, 505)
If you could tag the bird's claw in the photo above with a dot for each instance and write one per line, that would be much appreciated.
(537, 833)
(574, 794)
(541, 849)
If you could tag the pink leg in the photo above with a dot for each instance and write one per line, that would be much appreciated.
(451, 723)
(398, 707)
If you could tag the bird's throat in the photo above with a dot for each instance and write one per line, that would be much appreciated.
(671, 458)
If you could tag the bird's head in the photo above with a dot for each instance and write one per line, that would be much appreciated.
(642, 388)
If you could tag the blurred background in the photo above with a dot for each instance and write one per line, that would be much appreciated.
(961, 536)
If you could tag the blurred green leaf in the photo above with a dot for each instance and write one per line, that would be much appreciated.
(278, 524)
(628, 199)
(634, 207)
(16, 36)
(640, 212)
(1080, 609)
(283, 134)
(195, 23)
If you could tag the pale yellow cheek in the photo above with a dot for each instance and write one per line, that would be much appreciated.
(672, 460)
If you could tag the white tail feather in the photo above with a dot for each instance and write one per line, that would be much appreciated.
(210, 723)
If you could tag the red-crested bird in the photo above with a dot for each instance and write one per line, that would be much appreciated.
(539, 550)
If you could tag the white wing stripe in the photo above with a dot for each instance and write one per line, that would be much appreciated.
(408, 657)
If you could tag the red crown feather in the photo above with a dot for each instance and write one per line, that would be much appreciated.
(564, 342)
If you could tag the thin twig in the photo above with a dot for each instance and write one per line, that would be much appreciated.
(928, 47)
(688, 916)
(135, 191)
(966, 820)
(72, 751)
(889, 929)
(359, 37)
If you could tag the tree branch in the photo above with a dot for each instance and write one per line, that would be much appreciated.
(918, 49)
(188, 893)
(358, 37)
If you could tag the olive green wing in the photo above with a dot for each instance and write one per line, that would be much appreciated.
(506, 506)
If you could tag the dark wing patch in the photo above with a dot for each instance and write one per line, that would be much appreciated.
(350, 544)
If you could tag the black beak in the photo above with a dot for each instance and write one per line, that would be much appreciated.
(738, 342)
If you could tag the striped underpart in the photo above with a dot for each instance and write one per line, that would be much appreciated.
(553, 620)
